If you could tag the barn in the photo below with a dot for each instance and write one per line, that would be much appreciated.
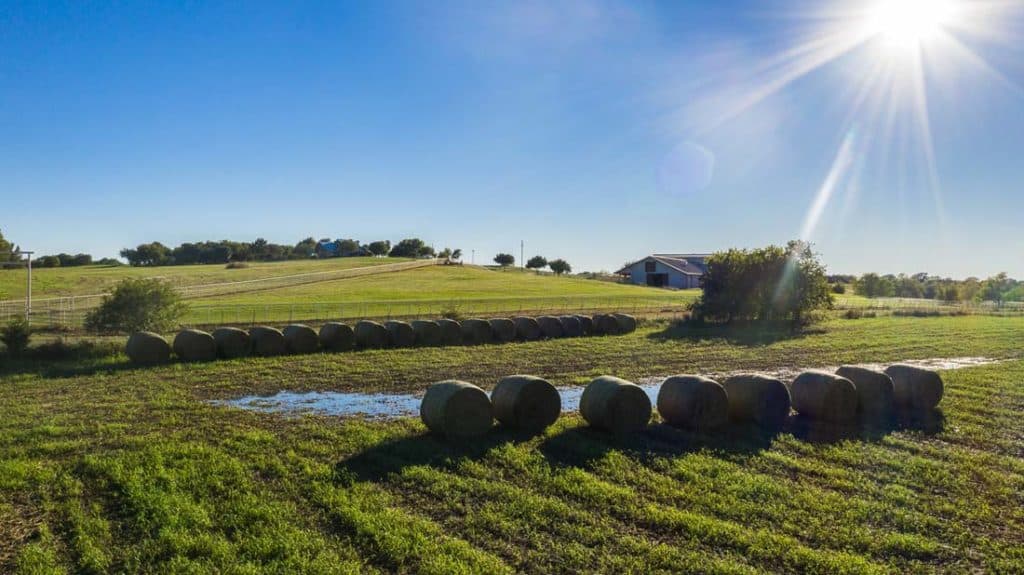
(680, 271)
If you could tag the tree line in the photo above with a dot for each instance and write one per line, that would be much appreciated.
(559, 266)
(998, 288)
(260, 250)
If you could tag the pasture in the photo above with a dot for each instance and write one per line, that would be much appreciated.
(105, 467)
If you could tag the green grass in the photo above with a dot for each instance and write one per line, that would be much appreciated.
(95, 279)
(106, 468)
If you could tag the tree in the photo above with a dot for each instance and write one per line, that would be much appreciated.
(7, 250)
(457, 254)
(995, 288)
(536, 263)
(560, 266)
(137, 304)
(304, 249)
(48, 262)
(504, 260)
(380, 247)
(347, 247)
(16, 336)
(425, 252)
(151, 254)
(445, 254)
(872, 285)
(408, 248)
(771, 283)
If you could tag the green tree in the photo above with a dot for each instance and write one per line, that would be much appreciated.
(151, 254)
(380, 247)
(560, 266)
(771, 283)
(304, 249)
(347, 247)
(995, 288)
(504, 260)
(408, 248)
(872, 285)
(137, 304)
(457, 254)
(537, 263)
(16, 335)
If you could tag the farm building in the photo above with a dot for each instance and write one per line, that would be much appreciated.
(681, 271)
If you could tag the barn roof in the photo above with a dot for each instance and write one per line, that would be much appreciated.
(681, 263)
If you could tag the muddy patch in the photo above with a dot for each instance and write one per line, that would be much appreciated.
(395, 405)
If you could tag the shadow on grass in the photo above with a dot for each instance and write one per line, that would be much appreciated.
(748, 334)
(805, 429)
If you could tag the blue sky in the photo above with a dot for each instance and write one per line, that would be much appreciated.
(595, 131)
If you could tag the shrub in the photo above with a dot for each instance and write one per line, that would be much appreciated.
(137, 305)
(236, 265)
(16, 336)
(839, 288)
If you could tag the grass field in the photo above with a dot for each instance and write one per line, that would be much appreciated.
(108, 468)
(89, 280)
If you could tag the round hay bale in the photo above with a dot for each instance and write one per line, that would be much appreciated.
(571, 326)
(627, 323)
(476, 331)
(693, 402)
(526, 403)
(147, 348)
(267, 341)
(371, 335)
(428, 332)
(914, 387)
(335, 336)
(400, 334)
(605, 324)
(615, 405)
(231, 342)
(824, 396)
(527, 329)
(299, 338)
(504, 329)
(758, 398)
(451, 331)
(456, 409)
(551, 326)
(875, 391)
(194, 345)
(587, 323)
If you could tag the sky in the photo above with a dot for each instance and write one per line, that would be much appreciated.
(596, 131)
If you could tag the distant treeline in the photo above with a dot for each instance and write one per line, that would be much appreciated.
(69, 260)
(998, 288)
(225, 251)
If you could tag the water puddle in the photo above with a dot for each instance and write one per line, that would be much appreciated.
(396, 405)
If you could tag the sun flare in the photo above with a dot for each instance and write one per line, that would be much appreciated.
(908, 23)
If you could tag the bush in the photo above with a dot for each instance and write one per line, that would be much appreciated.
(16, 336)
(839, 288)
(137, 305)
(236, 266)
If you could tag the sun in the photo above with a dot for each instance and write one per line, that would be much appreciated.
(909, 23)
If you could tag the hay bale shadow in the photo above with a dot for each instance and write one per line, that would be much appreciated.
(871, 430)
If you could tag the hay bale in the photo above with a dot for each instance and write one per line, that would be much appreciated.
(266, 341)
(551, 326)
(606, 324)
(371, 335)
(914, 387)
(824, 396)
(336, 336)
(526, 403)
(147, 348)
(504, 329)
(875, 392)
(758, 398)
(456, 409)
(527, 329)
(476, 331)
(571, 326)
(400, 334)
(451, 331)
(615, 405)
(587, 323)
(693, 402)
(429, 332)
(299, 338)
(627, 323)
(194, 345)
(231, 342)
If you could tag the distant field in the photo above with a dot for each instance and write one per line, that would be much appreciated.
(88, 280)
(107, 468)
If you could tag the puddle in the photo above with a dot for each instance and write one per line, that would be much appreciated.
(396, 405)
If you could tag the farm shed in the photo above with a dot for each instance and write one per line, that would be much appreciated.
(681, 271)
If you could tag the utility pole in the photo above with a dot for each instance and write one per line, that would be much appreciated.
(472, 257)
(522, 255)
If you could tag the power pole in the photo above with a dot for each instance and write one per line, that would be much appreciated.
(522, 255)
(472, 256)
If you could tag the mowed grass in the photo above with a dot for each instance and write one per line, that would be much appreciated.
(96, 279)
(106, 468)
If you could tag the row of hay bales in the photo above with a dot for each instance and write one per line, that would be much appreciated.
(458, 409)
(230, 342)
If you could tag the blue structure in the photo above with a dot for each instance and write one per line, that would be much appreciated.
(680, 271)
